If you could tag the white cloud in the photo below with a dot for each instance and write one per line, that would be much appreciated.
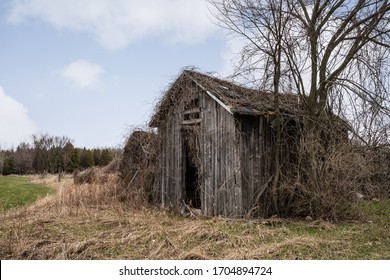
(117, 23)
(83, 74)
(15, 123)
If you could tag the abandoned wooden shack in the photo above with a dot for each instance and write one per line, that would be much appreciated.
(216, 143)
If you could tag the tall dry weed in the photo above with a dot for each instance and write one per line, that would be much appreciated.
(102, 191)
(346, 174)
(139, 169)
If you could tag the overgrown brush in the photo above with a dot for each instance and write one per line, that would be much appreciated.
(139, 169)
(347, 174)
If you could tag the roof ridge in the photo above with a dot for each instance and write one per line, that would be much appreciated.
(235, 98)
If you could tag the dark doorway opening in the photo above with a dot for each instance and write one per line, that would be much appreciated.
(192, 190)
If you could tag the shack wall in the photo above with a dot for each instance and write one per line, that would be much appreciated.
(256, 146)
(236, 159)
(219, 175)
(221, 186)
(171, 161)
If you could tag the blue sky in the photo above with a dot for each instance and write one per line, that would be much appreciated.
(89, 70)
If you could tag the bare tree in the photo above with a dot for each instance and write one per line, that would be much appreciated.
(333, 53)
(23, 156)
(264, 24)
(49, 153)
(335, 35)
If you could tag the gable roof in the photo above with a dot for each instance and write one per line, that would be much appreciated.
(236, 99)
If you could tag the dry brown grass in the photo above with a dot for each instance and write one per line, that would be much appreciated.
(88, 222)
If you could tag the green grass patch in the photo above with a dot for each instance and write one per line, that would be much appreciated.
(17, 191)
(375, 211)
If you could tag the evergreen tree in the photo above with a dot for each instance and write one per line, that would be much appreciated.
(67, 156)
(9, 165)
(74, 162)
(86, 159)
(97, 154)
(106, 157)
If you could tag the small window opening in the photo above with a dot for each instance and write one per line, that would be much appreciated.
(191, 112)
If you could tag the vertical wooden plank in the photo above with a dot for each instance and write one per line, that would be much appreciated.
(237, 163)
(172, 162)
(176, 165)
(245, 160)
(251, 131)
(229, 152)
(169, 163)
(239, 154)
(179, 166)
(214, 147)
(219, 150)
(166, 166)
(257, 158)
(167, 169)
(261, 151)
(207, 158)
(203, 151)
(244, 152)
(231, 149)
(219, 130)
(223, 142)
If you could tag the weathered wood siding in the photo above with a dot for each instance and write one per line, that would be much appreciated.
(220, 173)
(171, 161)
(236, 159)
(221, 184)
(256, 146)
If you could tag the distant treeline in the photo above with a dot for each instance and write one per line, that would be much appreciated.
(52, 154)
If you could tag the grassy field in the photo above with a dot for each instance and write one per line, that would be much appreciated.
(88, 222)
(18, 191)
